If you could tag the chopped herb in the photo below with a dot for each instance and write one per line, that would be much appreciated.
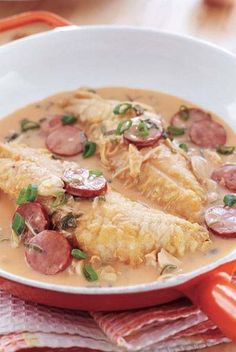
(225, 149)
(12, 137)
(143, 130)
(121, 109)
(78, 254)
(184, 113)
(68, 221)
(68, 119)
(175, 131)
(18, 224)
(229, 200)
(89, 149)
(90, 273)
(28, 194)
(183, 146)
(34, 247)
(167, 268)
(27, 125)
(59, 200)
(96, 173)
(123, 126)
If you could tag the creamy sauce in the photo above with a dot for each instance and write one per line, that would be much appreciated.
(12, 259)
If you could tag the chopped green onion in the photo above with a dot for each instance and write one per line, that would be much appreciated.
(225, 150)
(183, 146)
(68, 119)
(175, 131)
(28, 194)
(18, 224)
(89, 149)
(68, 221)
(122, 109)
(143, 130)
(168, 268)
(27, 124)
(59, 200)
(90, 273)
(184, 113)
(123, 126)
(34, 247)
(78, 254)
(96, 173)
(229, 200)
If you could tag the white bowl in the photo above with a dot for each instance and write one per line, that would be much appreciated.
(67, 58)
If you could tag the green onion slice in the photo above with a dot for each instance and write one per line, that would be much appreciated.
(78, 254)
(121, 109)
(18, 224)
(229, 200)
(123, 126)
(143, 130)
(27, 125)
(68, 119)
(90, 273)
(175, 131)
(59, 200)
(225, 149)
(89, 149)
(96, 173)
(184, 112)
(183, 146)
(28, 194)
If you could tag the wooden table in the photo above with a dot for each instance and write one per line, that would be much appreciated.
(190, 17)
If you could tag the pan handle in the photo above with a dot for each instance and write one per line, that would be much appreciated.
(25, 18)
(215, 295)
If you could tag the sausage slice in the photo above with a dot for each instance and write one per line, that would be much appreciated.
(143, 138)
(48, 252)
(66, 141)
(194, 115)
(226, 176)
(207, 134)
(221, 221)
(36, 216)
(84, 183)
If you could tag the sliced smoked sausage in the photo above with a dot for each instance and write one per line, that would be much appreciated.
(66, 141)
(207, 134)
(48, 252)
(221, 220)
(84, 183)
(36, 216)
(226, 176)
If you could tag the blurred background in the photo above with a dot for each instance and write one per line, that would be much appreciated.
(190, 17)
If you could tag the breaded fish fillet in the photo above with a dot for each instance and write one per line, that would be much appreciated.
(163, 173)
(115, 228)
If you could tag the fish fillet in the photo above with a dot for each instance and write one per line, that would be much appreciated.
(162, 174)
(115, 228)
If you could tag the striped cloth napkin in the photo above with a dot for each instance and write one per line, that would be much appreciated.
(174, 327)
